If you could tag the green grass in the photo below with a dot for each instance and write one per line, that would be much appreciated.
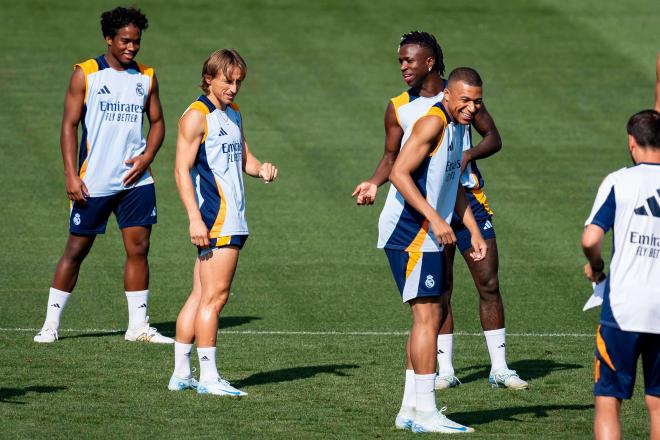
(560, 79)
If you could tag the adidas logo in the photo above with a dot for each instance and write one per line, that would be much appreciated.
(222, 132)
(654, 207)
(487, 225)
(56, 305)
(503, 345)
(205, 358)
(142, 306)
(440, 351)
(153, 213)
(104, 91)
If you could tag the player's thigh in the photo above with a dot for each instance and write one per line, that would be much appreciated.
(485, 271)
(615, 363)
(418, 274)
(217, 269)
(651, 364)
(136, 207)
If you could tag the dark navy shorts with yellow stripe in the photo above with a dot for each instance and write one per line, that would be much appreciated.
(418, 274)
(615, 366)
(216, 243)
(132, 207)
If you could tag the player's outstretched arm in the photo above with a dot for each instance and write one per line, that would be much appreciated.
(154, 138)
(491, 142)
(462, 208)
(423, 139)
(73, 105)
(191, 132)
(657, 83)
(365, 192)
(592, 239)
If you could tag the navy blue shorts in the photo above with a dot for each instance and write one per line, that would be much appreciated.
(220, 242)
(463, 236)
(418, 274)
(132, 207)
(615, 366)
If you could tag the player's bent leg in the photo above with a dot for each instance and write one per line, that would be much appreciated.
(216, 271)
(64, 280)
(607, 419)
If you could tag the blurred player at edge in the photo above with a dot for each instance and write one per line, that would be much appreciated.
(628, 202)
(413, 229)
(422, 66)
(211, 155)
(109, 95)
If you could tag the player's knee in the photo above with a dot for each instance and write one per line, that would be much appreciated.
(489, 288)
(138, 249)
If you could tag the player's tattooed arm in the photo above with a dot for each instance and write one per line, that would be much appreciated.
(73, 105)
(154, 138)
(365, 192)
(592, 239)
(423, 139)
(491, 142)
(191, 132)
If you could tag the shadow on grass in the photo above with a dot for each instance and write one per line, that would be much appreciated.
(528, 369)
(168, 328)
(10, 393)
(481, 417)
(290, 374)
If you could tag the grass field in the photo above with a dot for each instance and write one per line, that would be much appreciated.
(315, 330)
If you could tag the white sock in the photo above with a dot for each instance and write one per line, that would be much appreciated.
(208, 372)
(137, 308)
(182, 360)
(425, 392)
(409, 397)
(445, 354)
(496, 341)
(56, 302)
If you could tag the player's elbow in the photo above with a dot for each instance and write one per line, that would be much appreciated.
(591, 237)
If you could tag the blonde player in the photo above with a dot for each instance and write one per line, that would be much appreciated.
(211, 155)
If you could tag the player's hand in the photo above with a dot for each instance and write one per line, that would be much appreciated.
(443, 232)
(465, 160)
(199, 234)
(479, 248)
(365, 193)
(594, 275)
(76, 189)
(268, 172)
(138, 165)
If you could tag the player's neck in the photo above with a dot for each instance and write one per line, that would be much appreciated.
(431, 86)
(114, 63)
(216, 102)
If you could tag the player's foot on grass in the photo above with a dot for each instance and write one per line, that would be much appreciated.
(444, 382)
(145, 333)
(404, 419)
(507, 379)
(179, 384)
(437, 422)
(219, 387)
(47, 334)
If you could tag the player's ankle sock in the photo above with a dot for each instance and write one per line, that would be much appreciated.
(137, 308)
(496, 341)
(409, 397)
(208, 372)
(445, 354)
(182, 360)
(56, 302)
(425, 392)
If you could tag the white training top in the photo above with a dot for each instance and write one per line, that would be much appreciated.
(629, 201)
(112, 118)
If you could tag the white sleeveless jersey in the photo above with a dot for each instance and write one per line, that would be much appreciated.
(628, 200)
(218, 170)
(112, 120)
(402, 227)
(409, 107)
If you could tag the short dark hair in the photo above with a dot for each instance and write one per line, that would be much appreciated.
(112, 21)
(427, 40)
(644, 126)
(467, 75)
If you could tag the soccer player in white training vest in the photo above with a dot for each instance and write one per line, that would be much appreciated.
(628, 202)
(110, 95)
(414, 228)
(211, 157)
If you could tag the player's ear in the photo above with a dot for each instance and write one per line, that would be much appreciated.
(207, 79)
(108, 39)
(430, 62)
